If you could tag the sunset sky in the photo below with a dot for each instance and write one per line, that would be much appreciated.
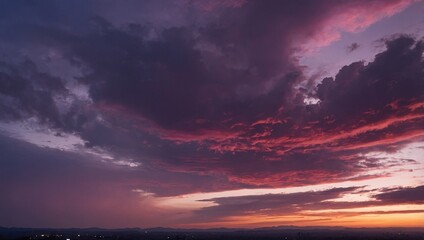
(211, 113)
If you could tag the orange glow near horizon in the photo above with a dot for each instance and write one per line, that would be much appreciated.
(400, 215)
(359, 221)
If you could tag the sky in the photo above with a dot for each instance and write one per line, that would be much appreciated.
(211, 113)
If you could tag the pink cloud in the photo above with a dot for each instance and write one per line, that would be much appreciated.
(353, 17)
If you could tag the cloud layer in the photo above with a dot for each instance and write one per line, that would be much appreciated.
(207, 97)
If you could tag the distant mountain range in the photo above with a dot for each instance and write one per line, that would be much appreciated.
(165, 229)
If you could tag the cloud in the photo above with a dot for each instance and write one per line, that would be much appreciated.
(217, 102)
(175, 79)
(26, 92)
(394, 75)
(287, 203)
(403, 195)
(199, 97)
(313, 203)
(353, 17)
(353, 47)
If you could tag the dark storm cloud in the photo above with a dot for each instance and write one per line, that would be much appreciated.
(395, 76)
(241, 68)
(26, 92)
(162, 79)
